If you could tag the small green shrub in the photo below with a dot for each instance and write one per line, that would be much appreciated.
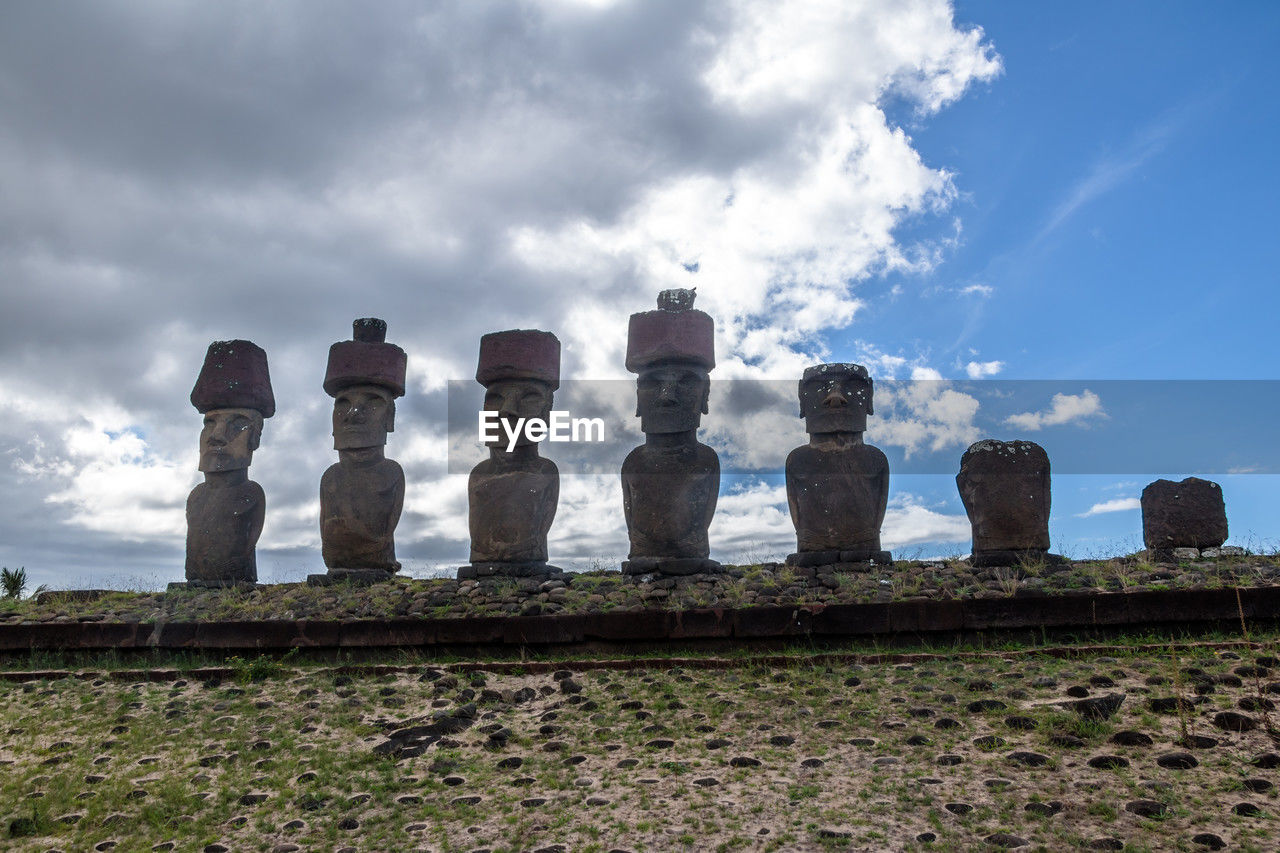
(13, 581)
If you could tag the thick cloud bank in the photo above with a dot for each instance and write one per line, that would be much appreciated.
(177, 173)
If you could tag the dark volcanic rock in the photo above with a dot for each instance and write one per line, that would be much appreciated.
(413, 740)
(1131, 738)
(1186, 514)
(1233, 722)
(982, 705)
(1048, 809)
(1177, 761)
(1108, 762)
(1004, 486)
(1098, 707)
(1005, 840)
(1146, 808)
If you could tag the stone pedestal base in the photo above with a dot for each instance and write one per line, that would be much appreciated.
(830, 558)
(671, 566)
(179, 585)
(475, 571)
(989, 559)
(356, 577)
(1180, 555)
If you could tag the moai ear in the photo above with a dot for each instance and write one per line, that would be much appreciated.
(255, 435)
(391, 416)
(706, 394)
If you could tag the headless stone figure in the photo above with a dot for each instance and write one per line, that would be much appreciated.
(512, 496)
(1190, 513)
(1005, 489)
(361, 496)
(225, 513)
(671, 482)
(837, 486)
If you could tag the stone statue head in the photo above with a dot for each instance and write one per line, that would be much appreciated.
(672, 397)
(514, 399)
(362, 417)
(520, 370)
(672, 351)
(229, 438)
(836, 398)
(233, 392)
(364, 376)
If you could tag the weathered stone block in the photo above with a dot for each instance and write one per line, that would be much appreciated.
(1186, 514)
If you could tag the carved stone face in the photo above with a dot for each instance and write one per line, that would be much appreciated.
(672, 398)
(835, 403)
(229, 438)
(362, 417)
(514, 399)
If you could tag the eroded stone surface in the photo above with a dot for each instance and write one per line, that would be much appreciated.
(361, 496)
(671, 482)
(1005, 489)
(225, 513)
(1186, 514)
(513, 495)
(837, 486)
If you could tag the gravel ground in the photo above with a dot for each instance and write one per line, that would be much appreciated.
(1134, 750)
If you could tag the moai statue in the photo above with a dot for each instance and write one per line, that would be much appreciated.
(361, 496)
(1186, 514)
(1005, 489)
(225, 512)
(670, 483)
(837, 486)
(512, 495)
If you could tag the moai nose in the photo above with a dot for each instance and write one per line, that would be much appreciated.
(835, 400)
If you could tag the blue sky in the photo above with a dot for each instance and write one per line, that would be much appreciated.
(1119, 197)
(1077, 193)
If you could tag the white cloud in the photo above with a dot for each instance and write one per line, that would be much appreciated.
(1063, 409)
(923, 414)
(980, 369)
(983, 290)
(454, 170)
(908, 521)
(1114, 505)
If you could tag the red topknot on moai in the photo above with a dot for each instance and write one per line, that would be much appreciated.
(671, 482)
(226, 511)
(362, 494)
(512, 496)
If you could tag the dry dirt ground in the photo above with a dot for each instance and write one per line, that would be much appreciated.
(964, 752)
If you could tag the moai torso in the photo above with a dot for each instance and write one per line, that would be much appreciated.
(837, 486)
(362, 495)
(670, 483)
(225, 513)
(1004, 486)
(512, 496)
(1190, 513)
(837, 497)
(223, 526)
(360, 506)
(512, 504)
(669, 498)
